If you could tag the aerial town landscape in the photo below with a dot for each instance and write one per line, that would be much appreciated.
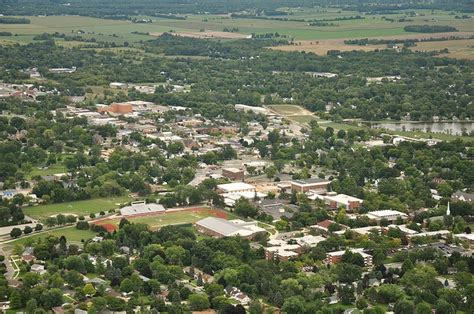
(246, 156)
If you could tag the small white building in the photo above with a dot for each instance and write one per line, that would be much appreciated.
(235, 187)
(118, 85)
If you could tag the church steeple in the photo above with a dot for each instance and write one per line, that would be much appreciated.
(448, 211)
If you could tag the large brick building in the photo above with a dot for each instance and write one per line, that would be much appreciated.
(119, 108)
(316, 185)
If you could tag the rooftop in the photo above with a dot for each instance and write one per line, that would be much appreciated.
(229, 228)
(141, 208)
(343, 198)
(235, 186)
(311, 181)
(386, 213)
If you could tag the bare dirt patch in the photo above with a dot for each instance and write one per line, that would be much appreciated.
(207, 34)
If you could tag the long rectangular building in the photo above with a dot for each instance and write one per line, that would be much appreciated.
(219, 228)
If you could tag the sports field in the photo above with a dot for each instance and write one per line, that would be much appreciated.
(290, 110)
(187, 216)
(76, 208)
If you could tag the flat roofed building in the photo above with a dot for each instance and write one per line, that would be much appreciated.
(390, 215)
(235, 187)
(231, 198)
(350, 203)
(335, 257)
(233, 174)
(218, 227)
(140, 208)
(277, 208)
(309, 240)
(315, 184)
(119, 108)
(430, 234)
(282, 252)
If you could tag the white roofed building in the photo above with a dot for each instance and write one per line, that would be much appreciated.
(235, 187)
(140, 208)
(218, 227)
(390, 215)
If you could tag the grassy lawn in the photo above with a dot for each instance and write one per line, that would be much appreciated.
(76, 208)
(53, 169)
(303, 119)
(289, 110)
(175, 218)
(71, 233)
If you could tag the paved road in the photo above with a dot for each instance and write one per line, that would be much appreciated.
(6, 230)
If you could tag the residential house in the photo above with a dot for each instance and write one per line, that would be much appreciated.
(463, 197)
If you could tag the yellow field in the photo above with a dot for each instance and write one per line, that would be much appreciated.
(457, 48)
(462, 49)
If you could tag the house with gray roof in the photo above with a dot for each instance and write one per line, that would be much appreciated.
(463, 197)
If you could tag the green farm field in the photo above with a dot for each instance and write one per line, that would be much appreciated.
(121, 30)
(76, 208)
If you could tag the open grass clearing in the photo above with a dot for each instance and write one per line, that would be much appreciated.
(71, 233)
(290, 110)
(207, 34)
(53, 169)
(188, 216)
(78, 208)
